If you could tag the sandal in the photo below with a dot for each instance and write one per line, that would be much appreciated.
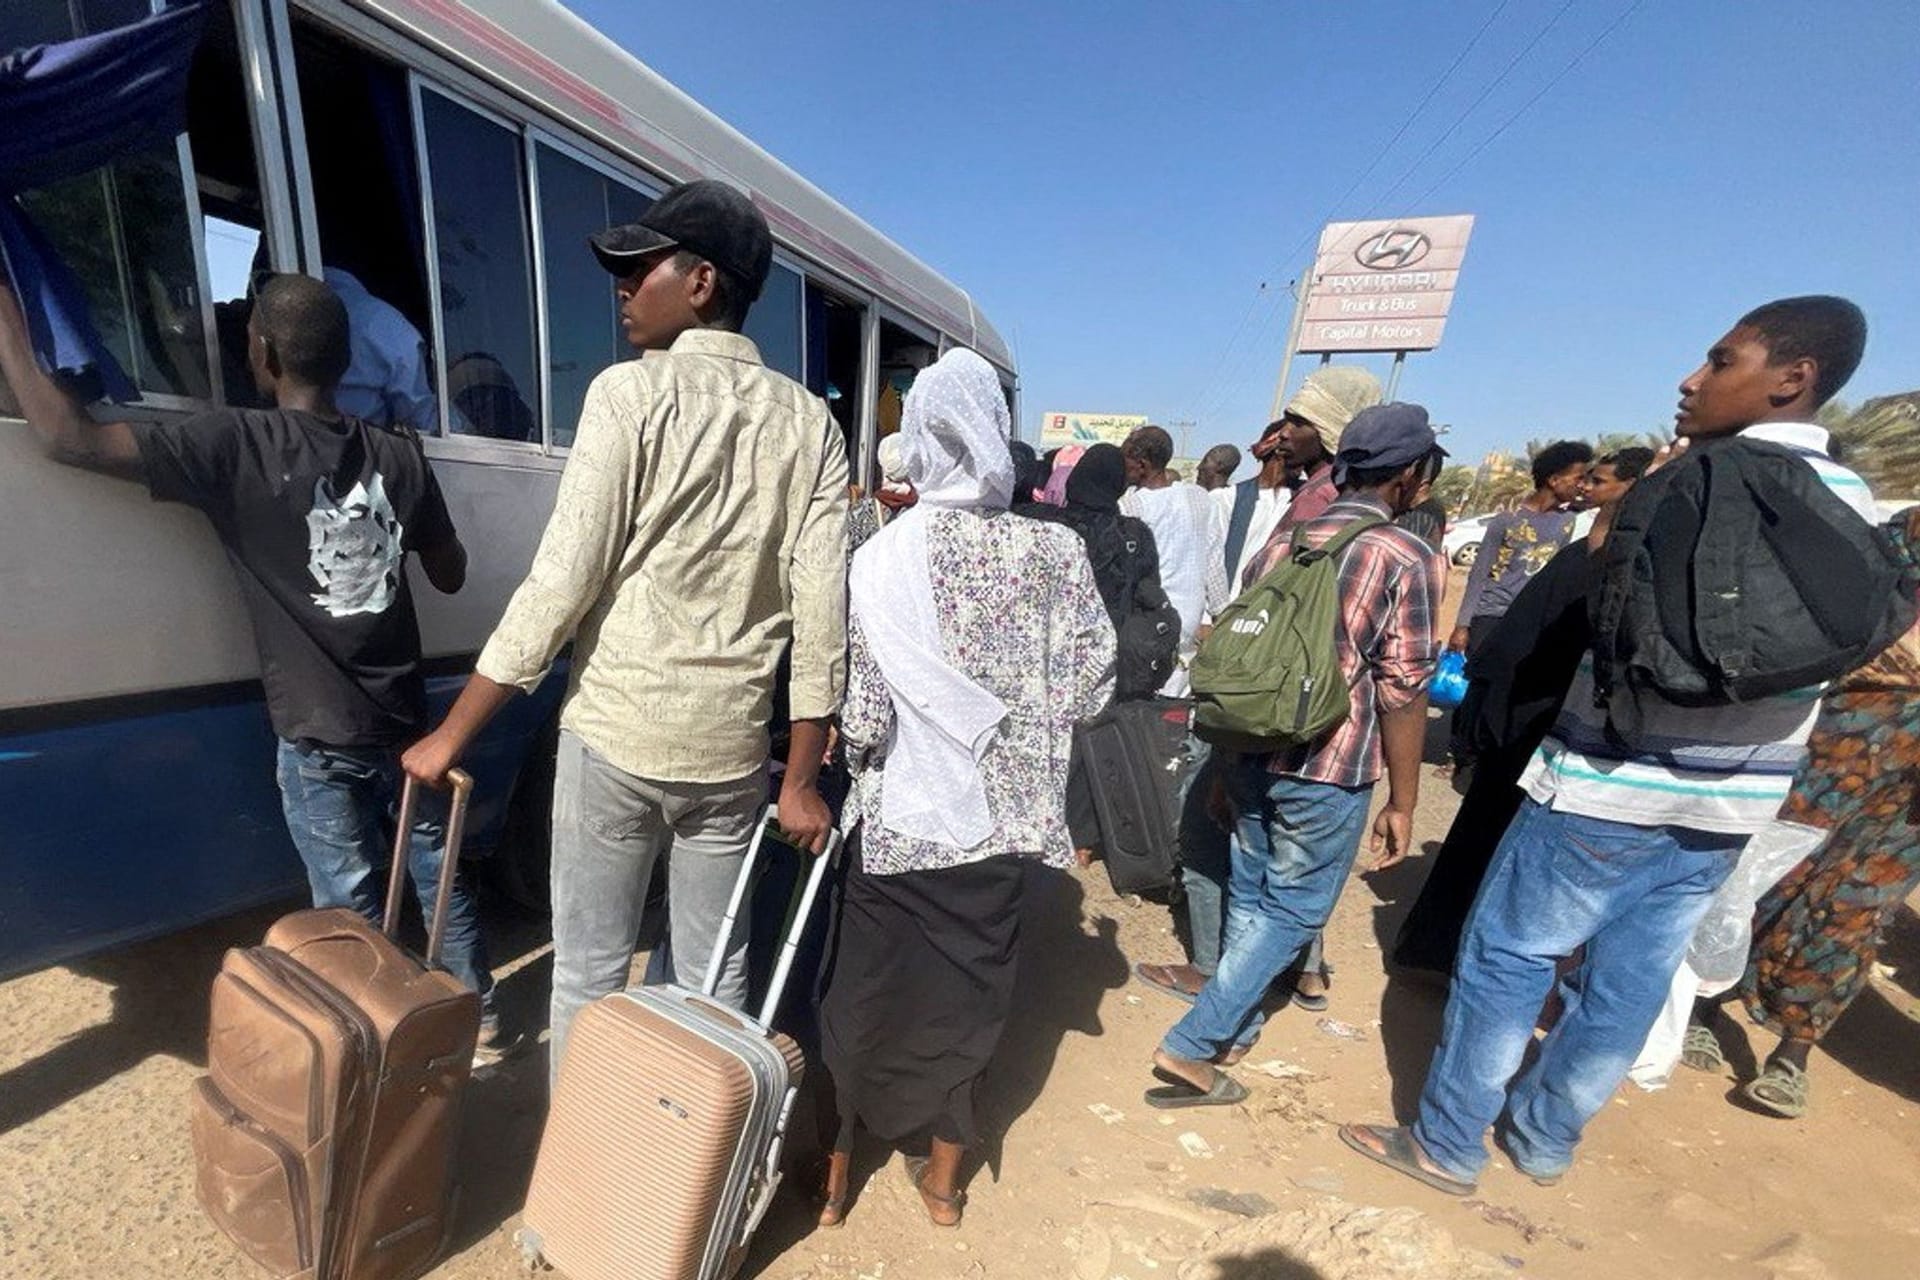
(1780, 1090)
(955, 1204)
(1165, 978)
(1397, 1150)
(1700, 1049)
(1179, 1092)
(833, 1209)
(1319, 1003)
(1232, 1055)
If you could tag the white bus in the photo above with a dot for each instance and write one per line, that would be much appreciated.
(453, 155)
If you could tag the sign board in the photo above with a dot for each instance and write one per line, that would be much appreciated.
(1060, 429)
(1384, 285)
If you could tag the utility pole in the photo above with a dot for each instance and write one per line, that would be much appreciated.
(1293, 340)
(1185, 428)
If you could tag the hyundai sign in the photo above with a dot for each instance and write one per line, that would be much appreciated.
(1384, 285)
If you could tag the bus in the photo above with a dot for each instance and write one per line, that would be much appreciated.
(452, 156)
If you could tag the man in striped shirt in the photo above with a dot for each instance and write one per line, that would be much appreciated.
(1618, 850)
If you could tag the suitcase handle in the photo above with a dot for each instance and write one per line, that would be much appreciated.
(790, 945)
(462, 784)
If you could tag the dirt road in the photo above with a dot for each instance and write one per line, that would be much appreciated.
(95, 1180)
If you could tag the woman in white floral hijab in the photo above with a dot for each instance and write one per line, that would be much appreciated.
(978, 639)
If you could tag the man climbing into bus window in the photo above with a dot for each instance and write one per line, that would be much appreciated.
(316, 510)
(701, 526)
(389, 379)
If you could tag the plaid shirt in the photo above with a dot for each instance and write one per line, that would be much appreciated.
(1390, 585)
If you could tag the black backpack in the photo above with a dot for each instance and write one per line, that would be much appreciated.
(1147, 632)
(1733, 574)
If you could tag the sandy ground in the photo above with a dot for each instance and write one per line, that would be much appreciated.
(1086, 1182)
(96, 1179)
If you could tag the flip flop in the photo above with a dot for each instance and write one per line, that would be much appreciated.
(1319, 1003)
(1160, 978)
(1398, 1151)
(1180, 1093)
(1779, 1090)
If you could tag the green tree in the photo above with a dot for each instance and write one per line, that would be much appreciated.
(1453, 487)
(1503, 489)
(1881, 440)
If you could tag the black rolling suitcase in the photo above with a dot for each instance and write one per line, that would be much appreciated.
(1131, 759)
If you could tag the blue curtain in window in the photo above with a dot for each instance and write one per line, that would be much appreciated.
(70, 108)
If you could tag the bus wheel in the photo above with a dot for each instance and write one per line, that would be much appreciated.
(520, 866)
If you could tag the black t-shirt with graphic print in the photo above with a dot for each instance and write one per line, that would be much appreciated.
(316, 513)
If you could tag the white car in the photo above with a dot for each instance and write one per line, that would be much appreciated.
(1462, 540)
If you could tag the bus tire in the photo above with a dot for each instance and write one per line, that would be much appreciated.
(520, 867)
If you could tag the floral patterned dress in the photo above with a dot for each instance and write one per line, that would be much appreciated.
(1020, 614)
(1817, 932)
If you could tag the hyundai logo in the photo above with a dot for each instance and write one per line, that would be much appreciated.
(1394, 249)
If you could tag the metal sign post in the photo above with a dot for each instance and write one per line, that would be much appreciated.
(1393, 379)
(1293, 340)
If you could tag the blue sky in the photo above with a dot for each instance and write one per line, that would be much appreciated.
(1114, 182)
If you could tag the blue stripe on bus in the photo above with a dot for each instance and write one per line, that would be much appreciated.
(126, 828)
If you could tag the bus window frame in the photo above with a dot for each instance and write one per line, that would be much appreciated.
(427, 68)
(869, 420)
(418, 85)
(202, 279)
(649, 186)
(279, 137)
(260, 95)
(915, 327)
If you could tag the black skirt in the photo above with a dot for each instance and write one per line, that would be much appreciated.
(917, 994)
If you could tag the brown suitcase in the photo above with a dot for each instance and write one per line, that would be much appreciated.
(324, 1131)
(662, 1149)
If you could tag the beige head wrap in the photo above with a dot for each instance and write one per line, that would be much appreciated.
(1331, 396)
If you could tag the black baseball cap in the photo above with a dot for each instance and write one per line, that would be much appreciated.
(704, 217)
(1387, 435)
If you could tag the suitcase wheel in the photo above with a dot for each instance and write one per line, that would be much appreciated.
(532, 1260)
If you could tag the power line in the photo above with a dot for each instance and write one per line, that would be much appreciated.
(1406, 124)
(1499, 79)
(1461, 119)
(1513, 63)
(1562, 74)
(1314, 229)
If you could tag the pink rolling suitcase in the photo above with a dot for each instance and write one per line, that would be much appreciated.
(662, 1148)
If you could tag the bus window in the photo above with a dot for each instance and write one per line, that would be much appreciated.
(902, 356)
(835, 337)
(583, 319)
(774, 321)
(478, 192)
(363, 171)
(128, 231)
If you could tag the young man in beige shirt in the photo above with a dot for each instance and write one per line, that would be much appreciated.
(700, 529)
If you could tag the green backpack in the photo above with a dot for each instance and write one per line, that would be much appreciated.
(1268, 676)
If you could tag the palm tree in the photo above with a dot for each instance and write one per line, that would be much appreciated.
(1453, 487)
(1881, 440)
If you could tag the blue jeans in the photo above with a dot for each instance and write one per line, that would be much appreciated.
(1206, 857)
(340, 804)
(1632, 895)
(1206, 864)
(1296, 843)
